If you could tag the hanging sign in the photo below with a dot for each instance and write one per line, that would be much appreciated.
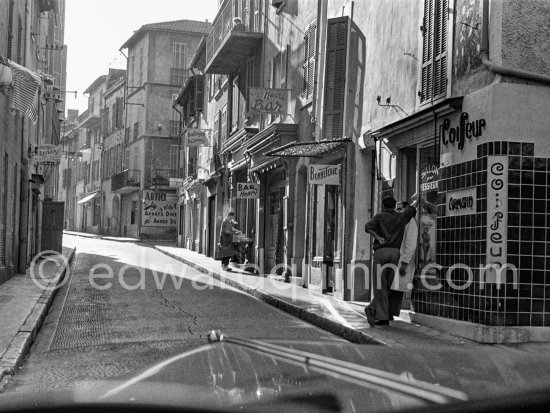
(264, 101)
(248, 190)
(46, 154)
(197, 137)
(159, 209)
(177, 182)
(324, 174)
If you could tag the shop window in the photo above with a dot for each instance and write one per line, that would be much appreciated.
(427, 207)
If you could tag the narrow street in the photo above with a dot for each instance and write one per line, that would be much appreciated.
(106, 328)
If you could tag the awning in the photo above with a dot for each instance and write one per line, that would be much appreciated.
(311, 149)
(88, 198)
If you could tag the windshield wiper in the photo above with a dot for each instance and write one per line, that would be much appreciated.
(349, 371)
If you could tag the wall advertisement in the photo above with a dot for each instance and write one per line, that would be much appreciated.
(159, 209)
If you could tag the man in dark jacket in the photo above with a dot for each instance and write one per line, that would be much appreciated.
(387, 228)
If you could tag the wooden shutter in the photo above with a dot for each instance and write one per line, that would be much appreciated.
(284, 67)
(440, 48)
(309, 60)
(434, 53)
(235, 97)
(199, 92)
(335, 77)
(113, 116)
(120, 112)
(10, 28)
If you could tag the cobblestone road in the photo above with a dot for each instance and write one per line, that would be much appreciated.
(139, 308)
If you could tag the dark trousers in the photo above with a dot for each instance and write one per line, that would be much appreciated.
(385, 301)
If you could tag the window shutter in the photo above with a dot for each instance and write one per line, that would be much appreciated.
(235, 97)
(309, 63)
(120, 112)
(199, 92)
(440, 48)
(113, 116)
(10, 28)
(284, 67)
(335, 77)
(434, 53)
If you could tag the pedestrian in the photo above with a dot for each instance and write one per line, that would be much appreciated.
(387, 228)
(226, 249)
(406, 264)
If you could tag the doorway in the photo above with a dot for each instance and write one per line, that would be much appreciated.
(274, 239)
(211, 225)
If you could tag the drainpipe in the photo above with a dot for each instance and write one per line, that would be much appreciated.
(501, 70)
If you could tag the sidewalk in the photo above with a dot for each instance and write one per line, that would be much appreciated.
(24, 303)
(110, 238)
(345, 319)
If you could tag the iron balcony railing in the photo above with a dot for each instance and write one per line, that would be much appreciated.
(161, 177)
(250, 22)
(127, 178)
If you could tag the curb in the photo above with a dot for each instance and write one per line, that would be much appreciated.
(347, 333)
(22, 341)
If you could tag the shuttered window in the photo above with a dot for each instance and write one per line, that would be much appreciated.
(173, 160)
(199, 92)
(3, 209)
(10, 28)
(335, 77)
(284, 67)
(235, 98)
(434, 53)
(309, 60)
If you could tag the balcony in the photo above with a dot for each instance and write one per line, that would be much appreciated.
(126, 181)
(228, 45)
(160, 178)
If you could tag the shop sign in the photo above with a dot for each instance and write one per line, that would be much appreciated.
(429, 178)
(248, 190)
(47, 154)
(177, 182)
(462, 202)
(159, 209)
(497, 207)
(197, 137)
(324, 174)
(264, 101)
(459, 134)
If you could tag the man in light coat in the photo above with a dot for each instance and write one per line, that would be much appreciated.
(406, 265)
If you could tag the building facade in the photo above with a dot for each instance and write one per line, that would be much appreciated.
(32, 60)
(157, 67)
(318, 112)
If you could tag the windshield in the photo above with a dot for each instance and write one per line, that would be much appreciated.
(274, 204)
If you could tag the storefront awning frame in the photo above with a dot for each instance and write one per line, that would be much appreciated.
(311, 149)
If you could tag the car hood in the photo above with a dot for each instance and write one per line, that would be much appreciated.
(241, 374)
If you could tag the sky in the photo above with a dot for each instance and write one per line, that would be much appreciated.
(95, 30)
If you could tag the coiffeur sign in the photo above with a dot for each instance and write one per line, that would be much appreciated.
(265, 101)
(324, 174)
(197, 137)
